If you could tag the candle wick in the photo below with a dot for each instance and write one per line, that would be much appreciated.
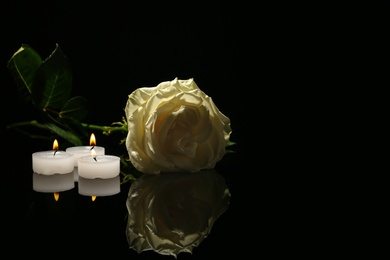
(92, 147)
(55, 151)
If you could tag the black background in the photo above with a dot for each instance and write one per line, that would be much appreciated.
(115, 47)
(276, 70)
(281, 71)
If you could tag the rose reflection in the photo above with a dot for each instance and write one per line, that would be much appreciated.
(171, 213)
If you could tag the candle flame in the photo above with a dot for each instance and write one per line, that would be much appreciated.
(93, 154)
(92, 140)
(55, 145)
(56, 195)
(93, 198)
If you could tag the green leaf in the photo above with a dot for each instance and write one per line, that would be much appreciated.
(52, 84)
(67, 135)
(76, 107)
(23, 66)
(229, 143)
(75, 126)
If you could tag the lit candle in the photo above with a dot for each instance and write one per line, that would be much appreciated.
(99, 166)
(79, 151)
(53, 161)
(99, 187)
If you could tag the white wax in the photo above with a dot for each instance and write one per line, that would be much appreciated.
(76, 174)
(99, 187)
(52, 183)
(80, 151)
(104, 167)
(49, 162)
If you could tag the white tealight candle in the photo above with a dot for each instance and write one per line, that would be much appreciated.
(99, 166)
(52, 162)
(80, 151)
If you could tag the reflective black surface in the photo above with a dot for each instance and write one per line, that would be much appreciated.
(76, 225)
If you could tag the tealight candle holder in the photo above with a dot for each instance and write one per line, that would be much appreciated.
(99, 166)
(80, 151)
(53, 161)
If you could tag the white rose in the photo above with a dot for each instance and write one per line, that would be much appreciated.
(172, 212)
(175, 126)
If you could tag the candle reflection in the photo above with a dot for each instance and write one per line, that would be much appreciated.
(99, 187)
(52, 183)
